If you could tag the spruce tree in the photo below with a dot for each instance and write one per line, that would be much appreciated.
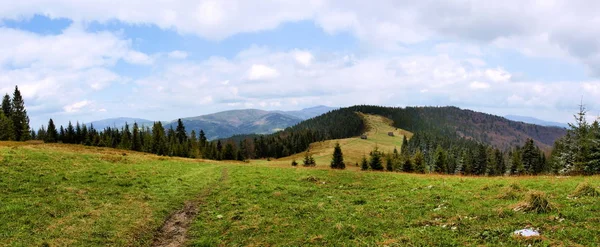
(364, 164)
(407, 165)
(440, 163)
(41, 133)
(51, 133)
(375, 160)
(180, 132)
(70, 133)
(159, 142)
(202, 139)
(389, 162)
(7, 106)
(136, 139)
(228, 152)
(6, 128)
(19, 117)
(419, 162)
(337, 160)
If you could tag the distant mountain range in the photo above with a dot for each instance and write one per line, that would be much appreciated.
(536, 121)
(228, 123)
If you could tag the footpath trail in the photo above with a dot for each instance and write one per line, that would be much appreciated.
(173, 232)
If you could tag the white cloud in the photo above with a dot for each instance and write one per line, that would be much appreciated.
(261, 72)
(178, 55)
(528, 26)
(77, 106)
(303, 57)
(479, 85)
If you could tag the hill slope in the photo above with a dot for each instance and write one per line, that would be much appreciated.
(354, 148)
(235, 122)
(448, 126)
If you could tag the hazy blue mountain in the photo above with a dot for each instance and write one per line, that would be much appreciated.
(119, 122)
(235, 122)
(310, 112)
(228, 123)
(536, 121)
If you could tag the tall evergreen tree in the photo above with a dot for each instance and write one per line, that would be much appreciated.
(7, 106)
(159, 142)
(70, 133)
(440, 163)
(51, 133)
(6, 128)
(375, 160)
(228, 152)
(419, 162)
(389, 162)
(337, 160)
(136, 138)
(19, 117)
(180, 132)
(364, 164)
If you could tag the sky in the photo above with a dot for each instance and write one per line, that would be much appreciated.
(161, 60)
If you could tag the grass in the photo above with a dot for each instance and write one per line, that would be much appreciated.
(585, 189)
(63, 195)
(308, 207)
(353, 148)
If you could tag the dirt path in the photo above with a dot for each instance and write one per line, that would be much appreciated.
(173, 233)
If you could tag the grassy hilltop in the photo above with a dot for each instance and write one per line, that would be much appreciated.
(354, 148)
(58, 195)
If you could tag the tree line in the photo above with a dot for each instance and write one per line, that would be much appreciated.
(433, 148)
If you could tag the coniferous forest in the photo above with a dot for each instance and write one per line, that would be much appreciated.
(446, 140)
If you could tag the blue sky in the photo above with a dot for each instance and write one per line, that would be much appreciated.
(84, 61)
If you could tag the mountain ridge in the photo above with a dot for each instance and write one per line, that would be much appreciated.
(228, 123)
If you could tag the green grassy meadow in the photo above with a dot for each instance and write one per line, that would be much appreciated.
(66, 195)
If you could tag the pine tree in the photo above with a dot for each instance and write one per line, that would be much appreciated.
(389, 162)
(337, 160)
(419, 162)
(51, 133)
(440, 163)
(136, 139)
(41, 133)
(375, 160)
(70, 133)
(7, 106)
(364, 164)
(6, 128)
(228, 152)
(62, 135)
(202, 139)
(407, 165)
(308, 159)
(180, 132)
(159, 142)
(19, 117)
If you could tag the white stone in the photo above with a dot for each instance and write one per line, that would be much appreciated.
(527, 233)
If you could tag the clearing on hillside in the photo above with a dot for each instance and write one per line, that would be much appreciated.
(354, 148)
